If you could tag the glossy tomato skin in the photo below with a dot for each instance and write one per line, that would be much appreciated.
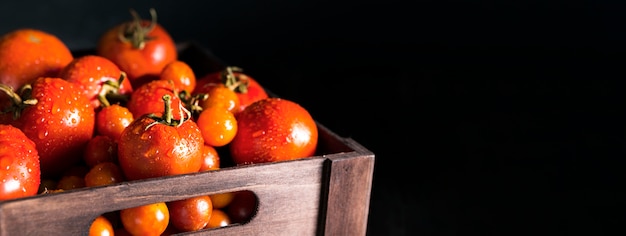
(61, 123)
(148, 98)
(27, 54)
(20, 174)
(140, 64)
(190, 214)
(93, 73)
(148, 150)
(151, 219)
(273, 129)
(254, 90)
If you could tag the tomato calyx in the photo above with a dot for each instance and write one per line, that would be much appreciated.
(135, 33)
(110, 91)
(19, 101)
(233, 82)
(193, 101)
(166, 117)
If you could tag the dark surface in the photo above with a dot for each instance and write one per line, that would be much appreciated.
(485, 117)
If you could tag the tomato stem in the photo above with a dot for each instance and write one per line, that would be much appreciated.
(167, 118)
(19, 101)
(135, 33)
(234, 82)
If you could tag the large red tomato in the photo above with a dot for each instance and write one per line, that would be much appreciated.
(153, 146)
(58, 117)
(141, 48)
(271, 130)
(20, 174)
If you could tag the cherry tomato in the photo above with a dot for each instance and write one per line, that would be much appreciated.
(182, 75)
(141, 48)
(20, 175)
(104, 173)
(222, 96)
(190, 214)
(218, 126)
(242, 207)
(100, 149)
(210, 157)
(101, 226)
(219, 218)
(111, 120)
(69, 182)
(151, 219)
(58, 117)
(153, 146)
(247, 88)
(98, 77)
(221, 200)
(273, 129)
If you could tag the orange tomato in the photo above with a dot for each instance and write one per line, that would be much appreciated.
(151, 219)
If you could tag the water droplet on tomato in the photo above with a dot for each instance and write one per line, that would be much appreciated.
(258, 133)
(42, 134)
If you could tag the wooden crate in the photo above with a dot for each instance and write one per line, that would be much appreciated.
(328, 194)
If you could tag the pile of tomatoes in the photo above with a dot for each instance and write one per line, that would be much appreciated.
(132, 110)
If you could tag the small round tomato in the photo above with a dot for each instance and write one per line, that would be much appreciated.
(141, 48)
(222, 96)
(247, 88)
(151, 219)
(219, 218)
(100, 149)
(218, 126)
(153, 146)
(210, 157)
(101, 226)
(19, 164)
(112, 120)
(182, 75)
(104, 173)
(221, 200)
(69, 182)
(190, 214)
(242, 207)
(271, 130)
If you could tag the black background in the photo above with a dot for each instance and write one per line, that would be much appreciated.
(486, 117)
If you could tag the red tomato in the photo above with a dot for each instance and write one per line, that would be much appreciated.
(20, 175)
(141, 48)
(59, 118)
(242, 207)
(190, 214)
(210, 157)
(154, 146)
(246, 87)
(104, 173)
(101, 226)
(100, 149)
(273, 129)
(151, 219)
(218, 126)
(148, 99)
(182, 75)
(98, 77)
(112, 120)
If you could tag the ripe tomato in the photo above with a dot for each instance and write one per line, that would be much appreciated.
(218, 126)
(242, 207)
(104, 173)
(112, 120)
(69, 182)
(20, 174)
(154, 146)
(220, 96)
(273, 129)
(101, 226)
(182, 75)
(219, 218)
(210, 157)
(141, 48)
(190, 214)
(221, 200)
(151, 219)
(59, 118)
(98, 77)
(247, 88)
(148, 98)
(27, 54)
(100, 149)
